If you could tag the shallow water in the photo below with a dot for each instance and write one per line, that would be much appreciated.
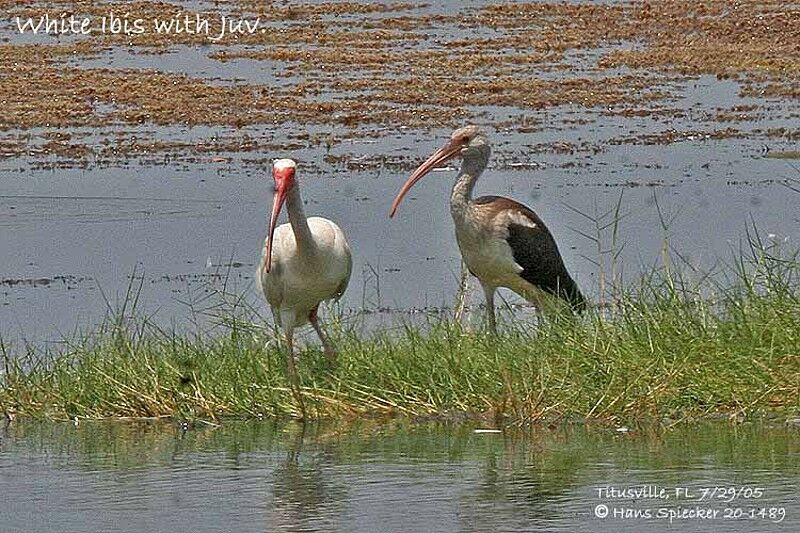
(73, 234)
(261, 476)
(178, 224)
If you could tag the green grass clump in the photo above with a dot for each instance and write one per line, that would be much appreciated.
(661, 350)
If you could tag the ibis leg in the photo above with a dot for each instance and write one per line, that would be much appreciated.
(462, 294)
(290, 364)
(330, 353)
(489, 290)
(294, 380)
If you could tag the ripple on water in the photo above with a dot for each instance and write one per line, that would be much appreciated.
(427, 477)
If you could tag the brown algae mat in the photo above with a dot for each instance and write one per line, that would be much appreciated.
(365, 66)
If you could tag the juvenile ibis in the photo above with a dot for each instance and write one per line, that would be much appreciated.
(304, 262)
(503, 243)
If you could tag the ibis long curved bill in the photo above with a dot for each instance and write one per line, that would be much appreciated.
(443, 154)
(277, 205)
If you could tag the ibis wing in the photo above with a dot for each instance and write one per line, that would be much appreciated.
(536, 251)
(346, 280)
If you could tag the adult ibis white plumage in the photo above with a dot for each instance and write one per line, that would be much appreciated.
(304, 262)
(503, 243)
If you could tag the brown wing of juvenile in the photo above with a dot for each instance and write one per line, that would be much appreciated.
(536, 251)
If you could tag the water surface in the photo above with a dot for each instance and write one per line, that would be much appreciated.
(367, 477)
(75, 230)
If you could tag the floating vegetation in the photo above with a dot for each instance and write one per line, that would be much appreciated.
(361, 64)
(790, 154)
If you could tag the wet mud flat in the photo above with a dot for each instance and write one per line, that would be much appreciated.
(148, 154)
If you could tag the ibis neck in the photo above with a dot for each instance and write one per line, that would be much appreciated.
(471, 169)
(298, 221)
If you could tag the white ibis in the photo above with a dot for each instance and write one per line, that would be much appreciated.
(304, 262)
(503, 243)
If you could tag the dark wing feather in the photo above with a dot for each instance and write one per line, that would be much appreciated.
(536, 251)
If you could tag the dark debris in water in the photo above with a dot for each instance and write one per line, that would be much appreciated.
(68, 281)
